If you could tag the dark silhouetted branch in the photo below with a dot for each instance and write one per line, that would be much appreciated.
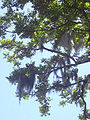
(63, 54)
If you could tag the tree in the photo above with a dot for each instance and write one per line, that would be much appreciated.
(63, 26)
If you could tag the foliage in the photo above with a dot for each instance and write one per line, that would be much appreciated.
(63, 26)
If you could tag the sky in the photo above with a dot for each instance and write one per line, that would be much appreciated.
(10, 109)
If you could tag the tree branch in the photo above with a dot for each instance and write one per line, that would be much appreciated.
(82, 96)
(75, 7)
(63, 54)
(70, 65)
(41, 29)
(66, 86)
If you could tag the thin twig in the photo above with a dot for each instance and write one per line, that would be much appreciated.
(41, 29)
(68, 85)
(79, 9)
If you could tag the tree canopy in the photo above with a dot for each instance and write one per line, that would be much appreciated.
(60, 27)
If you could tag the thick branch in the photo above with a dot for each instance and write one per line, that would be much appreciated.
(63, 54)
(70, 65)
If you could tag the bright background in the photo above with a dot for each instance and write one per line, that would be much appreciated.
(10, 109)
